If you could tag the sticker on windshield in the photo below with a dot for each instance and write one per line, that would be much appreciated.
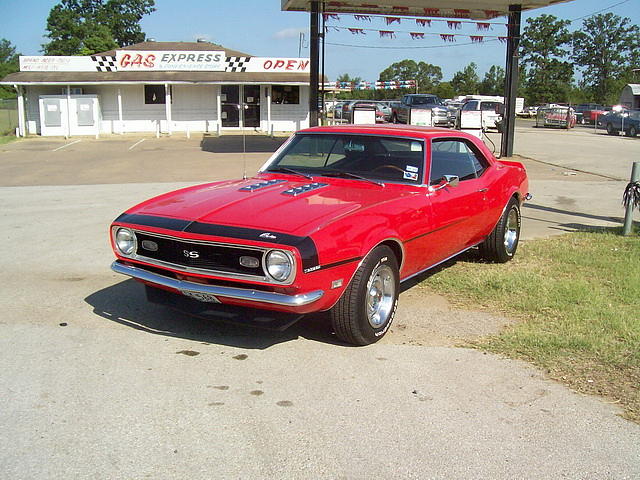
(416, 146)
(411, 168)
(410, 176)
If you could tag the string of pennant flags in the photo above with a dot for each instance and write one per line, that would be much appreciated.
(422, 22)
(390, 85)
(447, 37)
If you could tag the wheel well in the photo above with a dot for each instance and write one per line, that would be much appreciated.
(395, 248)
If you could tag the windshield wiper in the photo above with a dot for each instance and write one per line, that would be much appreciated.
(290, 170)
(336, 173)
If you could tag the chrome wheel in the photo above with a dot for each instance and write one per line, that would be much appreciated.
(380, 295)
(511, 231)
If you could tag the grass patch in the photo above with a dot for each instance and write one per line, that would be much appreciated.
(8, 121)
(7, 138)
(578, 299)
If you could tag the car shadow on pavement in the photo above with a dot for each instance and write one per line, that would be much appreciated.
(238, 144)
(126, 303)
(533, 206)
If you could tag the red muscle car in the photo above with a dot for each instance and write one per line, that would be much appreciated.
(334, 221)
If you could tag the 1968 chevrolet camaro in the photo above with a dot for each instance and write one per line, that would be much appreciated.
(334, 221)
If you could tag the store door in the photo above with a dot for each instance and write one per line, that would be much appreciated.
(251, 105)
(230, 100)
(240, 114)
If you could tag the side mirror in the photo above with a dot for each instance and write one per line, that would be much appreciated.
(446, 181)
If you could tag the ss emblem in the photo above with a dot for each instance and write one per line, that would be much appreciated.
(191, 254)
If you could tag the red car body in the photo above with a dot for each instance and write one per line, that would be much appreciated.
(325, 227)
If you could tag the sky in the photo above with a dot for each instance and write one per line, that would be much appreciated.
(260, 28)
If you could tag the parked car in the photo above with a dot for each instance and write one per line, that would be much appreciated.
(528, 112)
(588, 113)
(627, 121)
(401, 113)
(556, 116)
(334, 221)
(490, 112)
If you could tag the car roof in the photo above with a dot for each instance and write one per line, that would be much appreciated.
(391, 129)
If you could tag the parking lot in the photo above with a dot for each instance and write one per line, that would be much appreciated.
(97, 383)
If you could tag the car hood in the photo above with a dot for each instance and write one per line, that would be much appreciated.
(251, 204)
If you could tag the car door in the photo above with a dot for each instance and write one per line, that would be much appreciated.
(457, 219)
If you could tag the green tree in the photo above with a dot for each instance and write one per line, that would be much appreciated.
(445, 90)
(84, 27)
(9, 63)
(544, 47)
(605, 48)
(466, 81)
(493, 82)
(426, 75)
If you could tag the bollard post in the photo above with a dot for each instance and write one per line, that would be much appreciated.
(628, 217)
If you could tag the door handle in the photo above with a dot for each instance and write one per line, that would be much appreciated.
(482, 190)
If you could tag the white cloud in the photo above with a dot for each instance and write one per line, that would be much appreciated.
(289, 33)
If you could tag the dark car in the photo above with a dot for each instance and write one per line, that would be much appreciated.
(627, 121)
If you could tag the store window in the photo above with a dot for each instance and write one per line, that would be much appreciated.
(155, 94)
(285, 94)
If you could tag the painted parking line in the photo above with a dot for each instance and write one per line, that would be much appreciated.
(65, 146)
(136, 144)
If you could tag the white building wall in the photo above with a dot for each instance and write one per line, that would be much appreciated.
(194, 108)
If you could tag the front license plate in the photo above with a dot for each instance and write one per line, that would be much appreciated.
(203, 297)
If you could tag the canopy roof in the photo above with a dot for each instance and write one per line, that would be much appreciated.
(474, 9)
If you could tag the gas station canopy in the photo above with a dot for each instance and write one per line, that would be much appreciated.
(473, 9)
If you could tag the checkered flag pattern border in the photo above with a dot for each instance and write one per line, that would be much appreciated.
(236, 64)
(104, 63)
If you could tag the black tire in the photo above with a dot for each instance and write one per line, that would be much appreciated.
(501, 245)
(611, 130)
(360, 317)
(632, 132)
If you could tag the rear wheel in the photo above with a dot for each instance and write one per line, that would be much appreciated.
(366, 309)
(501, 245)
(632, 131)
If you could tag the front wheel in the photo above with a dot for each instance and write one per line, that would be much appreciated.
(366, 309)
(501, 245)
(632, 132)
(611, 130)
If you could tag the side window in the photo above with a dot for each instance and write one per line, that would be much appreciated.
(455, 157)
(473, 105)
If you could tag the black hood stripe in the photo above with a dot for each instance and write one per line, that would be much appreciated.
(305, 245)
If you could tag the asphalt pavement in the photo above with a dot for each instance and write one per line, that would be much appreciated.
(97, 383)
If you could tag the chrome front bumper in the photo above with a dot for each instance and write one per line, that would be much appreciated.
(191, 288)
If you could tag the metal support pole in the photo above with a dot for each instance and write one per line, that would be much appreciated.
(511, 81)
(21, 111)
(120, 123)
(314, 51)
(167, 93)
(628, 216)
(68, 111)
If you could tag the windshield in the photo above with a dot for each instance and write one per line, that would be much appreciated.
(340, 154)
(425, 101)
(489, 106)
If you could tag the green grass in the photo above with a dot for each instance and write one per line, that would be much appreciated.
(6, 139)
(578, 301)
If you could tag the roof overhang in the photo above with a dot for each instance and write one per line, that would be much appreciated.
(473, 9)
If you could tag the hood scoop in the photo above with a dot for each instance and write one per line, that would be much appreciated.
(304, 188)
(259, 185)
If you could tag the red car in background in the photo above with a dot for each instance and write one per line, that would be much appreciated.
(334, 221)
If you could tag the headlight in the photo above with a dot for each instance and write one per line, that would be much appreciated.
(279, 265)
(125, 241)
